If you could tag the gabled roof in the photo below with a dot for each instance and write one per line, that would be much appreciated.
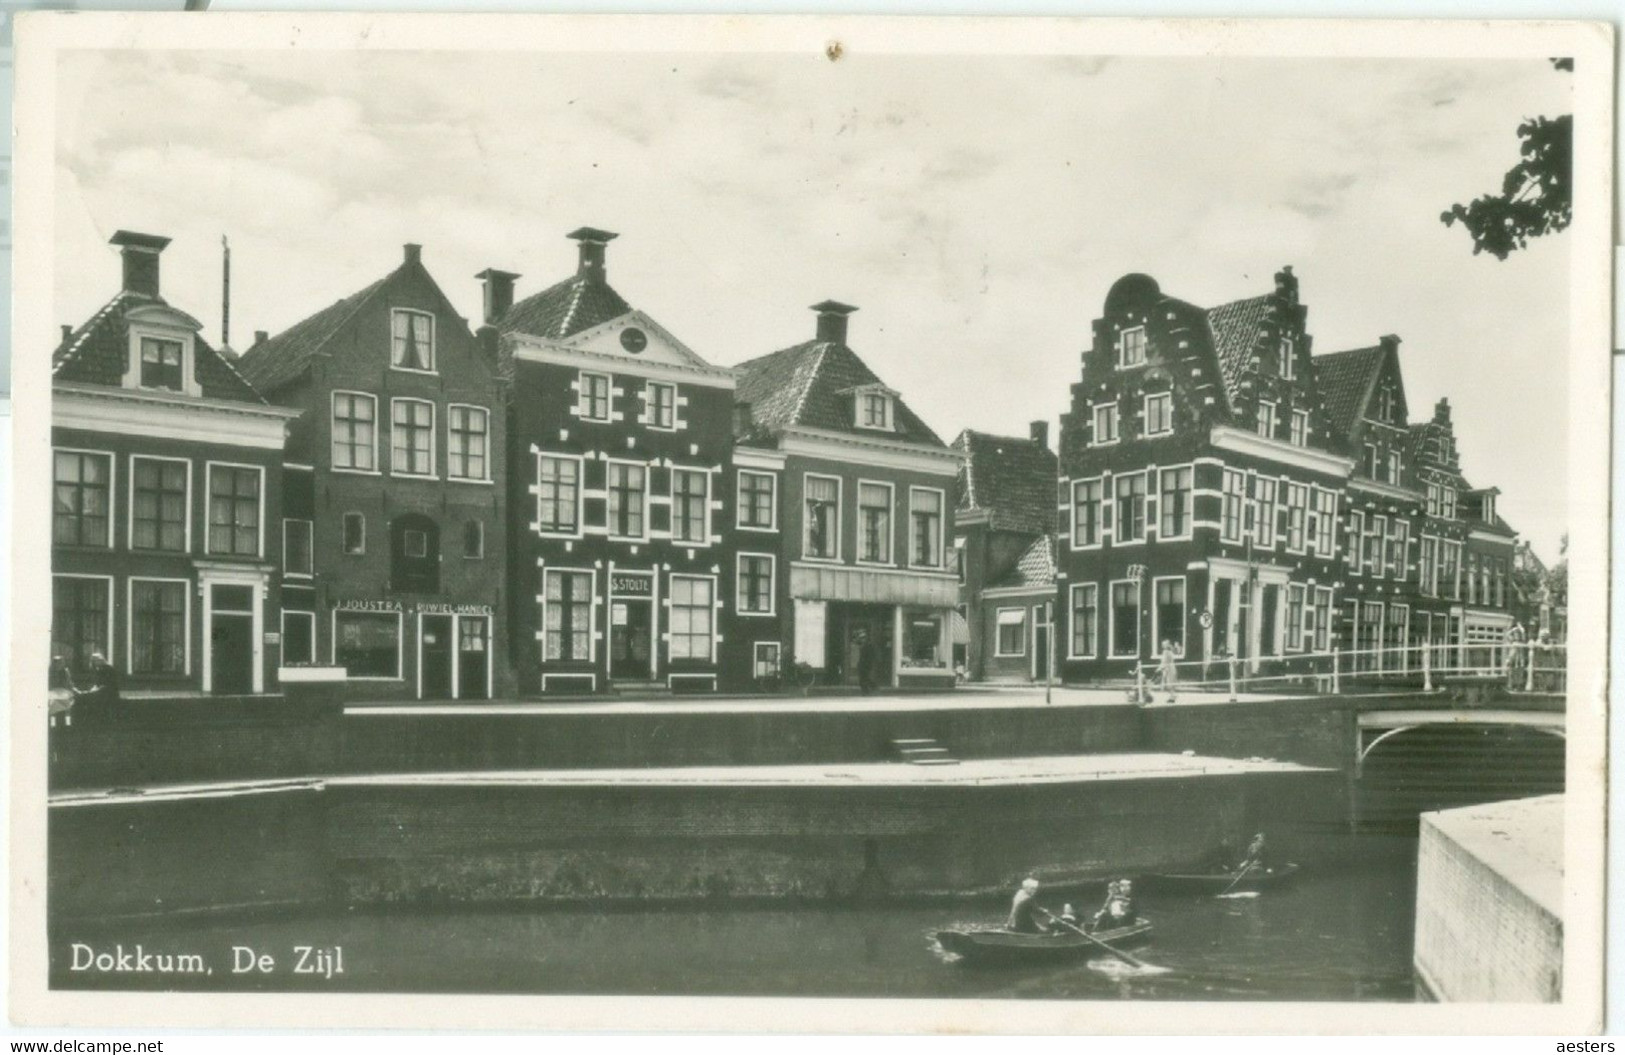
(1235, 329)
(1012, 479)
(276, 361)
(1034, 569)
(98, 351)
(803, 385)
(1346, 380)
(565, 309)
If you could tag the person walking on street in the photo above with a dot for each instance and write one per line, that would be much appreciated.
(866, 662)
(1517, 654)
(1169, 668)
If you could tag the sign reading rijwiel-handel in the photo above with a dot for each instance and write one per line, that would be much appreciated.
(353, 604)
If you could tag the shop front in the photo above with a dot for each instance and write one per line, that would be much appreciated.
(901, 621)
(430, 650)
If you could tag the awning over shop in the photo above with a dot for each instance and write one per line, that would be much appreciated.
(810, 582)
(958, 629)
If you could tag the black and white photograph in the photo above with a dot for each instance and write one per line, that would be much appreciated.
(953, 523)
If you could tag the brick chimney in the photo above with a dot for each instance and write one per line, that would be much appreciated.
(412, 253)
(1038, 431)
(140, 253)
(261, 336)
(1286, 284)
(498, 287)
(1389, 342)
(67, 331)
(1441, 411)
(832, 320)
(591, 242)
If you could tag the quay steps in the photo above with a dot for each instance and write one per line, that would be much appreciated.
(923, 751)
(641, 690)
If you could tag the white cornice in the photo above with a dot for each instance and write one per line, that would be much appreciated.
(169, 416)
(534, 350)
(1480, 535)
(1398, 494)
(869, 450)
(758, 458)
(1240, 441)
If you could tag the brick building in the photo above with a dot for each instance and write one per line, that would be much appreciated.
(865, 512)
(1004, 542)
(167, 494)
(394, 535)
(1201, 486)
(621, 552)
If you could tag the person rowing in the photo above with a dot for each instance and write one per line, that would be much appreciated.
(1024, 910)
(1118, 911)
(1255, 855)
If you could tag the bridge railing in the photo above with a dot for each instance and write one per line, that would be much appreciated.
(1517, 667)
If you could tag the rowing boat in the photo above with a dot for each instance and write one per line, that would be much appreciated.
(995, 945)
(1221, 882)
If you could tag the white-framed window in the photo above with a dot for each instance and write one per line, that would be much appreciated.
(1266, 418)
(1295, 611)
(1297, 511)
(693, 617)
(757, 505)
(1263, 511)
(1322, 620)
(1174, 503)
(628, 502)
(368, 644)
(1159, 413)
(569, 597)
(1232, 509)
(236, 524)
(874, 411)
(473, 540)
(159, 627)
(1489, 508)
(1088, 509)
(1105, 419)
(1289, 357)
(1447, 503)
(1450, 569)
(765, 659)
(1399, 541)
(1434, 490)
(1125, 618)
(1396, 467)
(1131, 347)
(1371, 461)
(1376, 528)
(1129, 516)
(1010, 633)
(82, 618)
(593, 396)
(355, 432)
(412, 340)
(82, 498)
(411, 437)
(1426, 561)
(1300, 428)
(1168, 613)
(660, 406)
(160, 504)
(161, 352)
(162, 364)
(1085, 606)
(468, 442)
(925, 506)
(1324, 528)
(690, 505)
(354, 542)
(1356, 537)
(558, 494)
(821, 517)
(875, 502)
(754, 577)
(296, 548)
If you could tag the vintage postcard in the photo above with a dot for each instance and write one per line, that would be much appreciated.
(878, 524)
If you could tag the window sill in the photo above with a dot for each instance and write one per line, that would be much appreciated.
(431, 372)
(397, 474)
(754, 615)
(469, 480)
(355, 472)
(751, 527)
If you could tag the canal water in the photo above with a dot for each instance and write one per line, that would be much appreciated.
(1338, 933)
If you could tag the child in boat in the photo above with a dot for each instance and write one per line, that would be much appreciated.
(1119, 907)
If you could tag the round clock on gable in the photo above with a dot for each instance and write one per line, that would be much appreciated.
(634, 340)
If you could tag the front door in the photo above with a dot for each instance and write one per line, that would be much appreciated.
(434, 654)
(473, 657)
(629, 640)
(1040, 642)
(231, 640)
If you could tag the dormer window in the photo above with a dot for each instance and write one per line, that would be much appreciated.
(1131, 347)
(161, 364)
(412, 347)
(1489, 509)
(874, 410)
(1289, 348)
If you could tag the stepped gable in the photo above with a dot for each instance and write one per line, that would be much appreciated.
(1012, 478)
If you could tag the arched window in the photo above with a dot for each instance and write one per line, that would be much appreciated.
(414, 551)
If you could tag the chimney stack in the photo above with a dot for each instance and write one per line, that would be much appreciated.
(67, 331)
(1039, 432)
(1286, 284)
(225, 293)
(261, 336)
(498, 287)
(140, 253)
(1389, 342)
(832, 320)
(412, 253)
(1441, 411)
(590, 242)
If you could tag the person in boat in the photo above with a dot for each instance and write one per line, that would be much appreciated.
(1119, 907)
(1068, 916)
(1255, 855)
(1024, 918)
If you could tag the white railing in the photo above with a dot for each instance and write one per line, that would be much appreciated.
(1521, 666)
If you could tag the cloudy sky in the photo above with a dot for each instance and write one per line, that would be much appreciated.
(976, 209)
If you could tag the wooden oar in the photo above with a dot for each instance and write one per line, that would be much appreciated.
(1119, 953)
(1239, 875)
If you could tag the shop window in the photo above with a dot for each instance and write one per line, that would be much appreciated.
(924, 640)
(367, 644)
(1012, 632)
